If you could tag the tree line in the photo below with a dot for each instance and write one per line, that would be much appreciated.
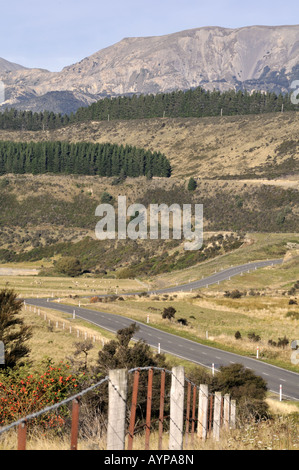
(195, 102)
(81, 158)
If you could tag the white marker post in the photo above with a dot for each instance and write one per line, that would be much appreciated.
(257, 352)
(147, 320)
(280, 393)
(213, 369)
(159, 348)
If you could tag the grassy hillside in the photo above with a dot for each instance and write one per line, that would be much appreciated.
(212, 147)
(44, 217)
(234, 159)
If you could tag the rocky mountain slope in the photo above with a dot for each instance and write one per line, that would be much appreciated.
(6, 66)
(255, 57)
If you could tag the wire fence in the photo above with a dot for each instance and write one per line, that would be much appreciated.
(67, 326)
(142, 401)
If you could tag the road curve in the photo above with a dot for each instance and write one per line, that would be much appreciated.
(191, 351)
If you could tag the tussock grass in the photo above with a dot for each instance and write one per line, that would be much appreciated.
(280, 433)
(210, 146)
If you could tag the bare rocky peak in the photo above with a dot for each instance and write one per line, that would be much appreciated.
(255, 57)
(6, 66)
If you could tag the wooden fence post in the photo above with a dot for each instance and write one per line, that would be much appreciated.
(149, 408)
(22, 432)
(75, 425)
(217, 416)
(177, 408)
(133, 409)
(203, 406)
(118, 387)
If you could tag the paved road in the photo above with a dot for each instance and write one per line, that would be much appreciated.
(220, 276)
(186, 349)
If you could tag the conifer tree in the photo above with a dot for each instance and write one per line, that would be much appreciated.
(13, 332)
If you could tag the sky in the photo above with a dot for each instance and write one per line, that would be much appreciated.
(58, 33)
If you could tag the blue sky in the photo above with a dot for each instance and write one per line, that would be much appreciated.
(57, 33)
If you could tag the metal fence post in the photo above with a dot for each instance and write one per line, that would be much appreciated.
(177, 409)
(118, 388)
(149, 408)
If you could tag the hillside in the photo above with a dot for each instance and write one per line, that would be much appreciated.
(253, 58)
(247, 180)
(245, 147)
(44, 217)
(6, 66)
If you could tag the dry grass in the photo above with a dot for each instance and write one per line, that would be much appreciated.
(257, 246)
(51, 342)
(211, 146)
(32, 286)
(278, 434)
(220, 317)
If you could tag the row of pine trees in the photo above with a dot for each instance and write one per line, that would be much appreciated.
(191, 103)
(81, 158)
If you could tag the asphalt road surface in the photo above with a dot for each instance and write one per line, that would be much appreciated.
(191, 351)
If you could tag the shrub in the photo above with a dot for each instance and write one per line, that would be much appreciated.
(238, 335)
(192, 185)
(23, 392)
(182, 321)
(244, 386)
(169, 313)
(283, 342)
(106, 198)
(293, 315)
(69, 266)
(235, 294)
(13, 332)
(253, 337)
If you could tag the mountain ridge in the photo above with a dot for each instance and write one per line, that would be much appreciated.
(254, 58)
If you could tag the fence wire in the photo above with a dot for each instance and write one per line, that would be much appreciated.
(152, 406)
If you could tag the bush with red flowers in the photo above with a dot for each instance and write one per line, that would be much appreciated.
(23, 392)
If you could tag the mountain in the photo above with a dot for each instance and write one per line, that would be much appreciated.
(256, 58)
(6, 66)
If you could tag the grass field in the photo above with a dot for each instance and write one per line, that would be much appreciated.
(221, 318)
(266, 311)
(207, 147)
(32, 286)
